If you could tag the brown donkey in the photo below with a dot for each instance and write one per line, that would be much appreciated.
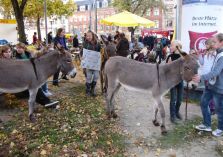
(153, 78)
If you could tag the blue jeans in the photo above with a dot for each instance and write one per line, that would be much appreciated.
(45, 87)
(205, 100)
(176, 96)
(218, 101)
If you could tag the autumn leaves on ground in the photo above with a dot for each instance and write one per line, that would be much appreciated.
(78, 128)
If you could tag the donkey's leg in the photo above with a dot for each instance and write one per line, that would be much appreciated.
(112, 89)
(155, 122)
(32, 99)
(162, 114)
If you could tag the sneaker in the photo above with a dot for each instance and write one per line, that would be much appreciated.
(217, 132)
(48, 93)
(52, 104)
(203, 127)
(173, 120)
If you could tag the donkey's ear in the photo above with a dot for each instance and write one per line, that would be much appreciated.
(183, 53)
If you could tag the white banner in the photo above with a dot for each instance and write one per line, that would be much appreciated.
(91, 60)
(201, 19)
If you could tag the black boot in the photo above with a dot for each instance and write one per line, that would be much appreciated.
(93, 85)
(88, 89)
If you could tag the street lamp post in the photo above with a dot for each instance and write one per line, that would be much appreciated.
(96, 17)
(90, 14)
(45, 15)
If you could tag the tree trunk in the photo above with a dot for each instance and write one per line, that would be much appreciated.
(18, 10)
(21, 29)
(38, 29)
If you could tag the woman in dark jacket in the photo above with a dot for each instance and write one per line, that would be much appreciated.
(59, 42)
(75, 42)
(122, 46)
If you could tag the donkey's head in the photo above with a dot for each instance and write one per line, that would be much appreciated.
(66, 64)
(190, 65)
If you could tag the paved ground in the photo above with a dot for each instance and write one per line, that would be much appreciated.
(136, 113)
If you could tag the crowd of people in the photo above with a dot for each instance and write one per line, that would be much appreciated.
(211, 69)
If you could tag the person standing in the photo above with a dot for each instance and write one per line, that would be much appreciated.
(159, 50)
(214, 90)
(122, 46)
(206, 61)
(176, 93)
(49, 37)
(91, 75)
(34, 38)
(75, 42)
(59, 43)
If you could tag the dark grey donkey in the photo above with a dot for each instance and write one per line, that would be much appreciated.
(153, 78)
(19, 75)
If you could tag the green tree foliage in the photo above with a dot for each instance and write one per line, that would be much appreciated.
(34, 10)
(6, 9)
(137, 6)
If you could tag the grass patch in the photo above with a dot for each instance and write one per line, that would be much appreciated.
(79, 127)
(183, 134)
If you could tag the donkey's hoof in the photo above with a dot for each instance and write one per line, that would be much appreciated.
(109, 116)
(32, 118)
(114, 115)
(163, 130)
(156, 123)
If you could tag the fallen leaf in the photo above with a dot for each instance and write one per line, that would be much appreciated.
(12, 144)
(43, 152)
(14, 131)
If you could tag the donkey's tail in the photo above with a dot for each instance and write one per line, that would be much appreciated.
(34, 66)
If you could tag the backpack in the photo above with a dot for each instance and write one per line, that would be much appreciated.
(164, 41)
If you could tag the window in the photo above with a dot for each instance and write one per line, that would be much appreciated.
(82, 8)
(86, 7)
(148, 12)
(156, 12)
(156, 23)
(169, 23)
(100, 4)
(85, 28)
(102, 27)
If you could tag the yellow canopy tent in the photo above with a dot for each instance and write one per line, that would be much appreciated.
(127, 19)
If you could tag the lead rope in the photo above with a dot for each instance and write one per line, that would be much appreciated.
(187, 93)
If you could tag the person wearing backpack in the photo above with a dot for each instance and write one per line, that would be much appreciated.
(158, 49)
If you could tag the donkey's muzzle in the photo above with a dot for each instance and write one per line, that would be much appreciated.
(73, 73)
